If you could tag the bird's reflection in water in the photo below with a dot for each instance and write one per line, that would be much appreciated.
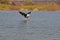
(24, 23)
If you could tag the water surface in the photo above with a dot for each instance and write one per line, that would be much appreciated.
(41, 26)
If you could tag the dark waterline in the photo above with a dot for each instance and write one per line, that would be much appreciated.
(43, 25)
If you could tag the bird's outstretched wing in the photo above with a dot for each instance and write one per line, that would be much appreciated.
(29, 13)
(22, 13)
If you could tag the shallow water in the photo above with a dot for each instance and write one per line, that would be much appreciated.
(41, 26)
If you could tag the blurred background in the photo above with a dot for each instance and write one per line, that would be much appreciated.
(45, 5)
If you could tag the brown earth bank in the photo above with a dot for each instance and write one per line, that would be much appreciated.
(44, 7)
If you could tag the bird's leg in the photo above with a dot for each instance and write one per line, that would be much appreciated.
(27, 19)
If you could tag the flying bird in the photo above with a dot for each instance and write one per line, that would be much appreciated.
(26, 15)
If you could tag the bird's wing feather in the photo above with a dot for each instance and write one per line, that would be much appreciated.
(29, 13)
(22, 13)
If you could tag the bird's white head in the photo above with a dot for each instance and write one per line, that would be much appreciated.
(28, 14)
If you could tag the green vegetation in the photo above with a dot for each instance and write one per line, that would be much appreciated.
(4, 7)
(27, 5)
